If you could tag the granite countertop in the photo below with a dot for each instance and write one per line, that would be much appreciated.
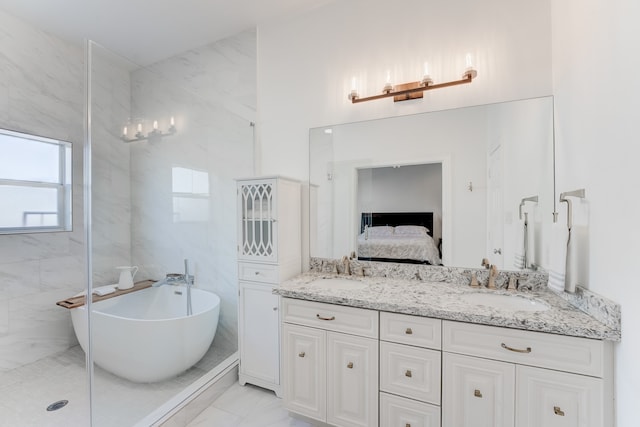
(442, 300)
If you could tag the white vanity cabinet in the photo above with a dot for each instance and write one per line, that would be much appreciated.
(410, 370)
(269, 236)
(524, 379)
(330, 354)
(477, 392)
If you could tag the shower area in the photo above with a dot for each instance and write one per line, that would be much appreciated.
(155, 154)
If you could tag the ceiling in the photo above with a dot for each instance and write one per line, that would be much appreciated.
(145, 31)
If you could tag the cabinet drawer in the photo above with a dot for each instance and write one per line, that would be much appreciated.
(410, 371)
(571, 354)
(350, 320)
(266, 273)
(412, 330)
(400, 412)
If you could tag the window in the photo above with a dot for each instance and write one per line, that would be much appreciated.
(35, 183)
(190, 195)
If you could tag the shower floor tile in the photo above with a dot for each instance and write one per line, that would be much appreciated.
(25, 392)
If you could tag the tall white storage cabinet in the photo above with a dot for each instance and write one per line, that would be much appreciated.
(269, 239)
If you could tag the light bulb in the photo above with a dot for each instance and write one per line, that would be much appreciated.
(354, 92)
(172, 122)
(124, 131)
(155, 125)
(469, 72)
(139, 127)
(426, 78)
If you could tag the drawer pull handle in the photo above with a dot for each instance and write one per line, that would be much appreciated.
(350, 365)
(527, 350)
(477, 393)
(301, 354)
(408, 331)
(408, 373)
(256, 273)
(325, 318)
(558, 411)
(407, 425)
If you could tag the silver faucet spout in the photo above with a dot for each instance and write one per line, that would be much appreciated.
(176, 278)
(170, 279)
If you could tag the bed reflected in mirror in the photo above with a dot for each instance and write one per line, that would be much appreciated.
(405, 237)
(400, 226)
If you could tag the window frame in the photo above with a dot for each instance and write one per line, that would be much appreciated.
(63, 187)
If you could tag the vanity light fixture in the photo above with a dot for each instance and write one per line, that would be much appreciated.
(413, 90)
(153, 135)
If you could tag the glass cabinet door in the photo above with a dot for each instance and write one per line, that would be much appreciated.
(258, 225)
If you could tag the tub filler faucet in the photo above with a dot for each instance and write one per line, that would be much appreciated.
(188, 281)
(176, 278)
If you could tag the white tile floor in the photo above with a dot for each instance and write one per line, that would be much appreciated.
(246, 406)
(25, 392)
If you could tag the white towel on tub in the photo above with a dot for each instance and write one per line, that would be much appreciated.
(558, 256)
(104, 290)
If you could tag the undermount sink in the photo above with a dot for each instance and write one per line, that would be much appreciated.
(338, 283)
(505, 302)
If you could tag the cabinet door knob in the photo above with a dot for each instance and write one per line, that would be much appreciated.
(275, 308)
(408, 373)
(408, 331)
(477, 393)
(325, 318)
(257, 273)
(558, 411)
(517, 350)
(301, 354)
(350, 365)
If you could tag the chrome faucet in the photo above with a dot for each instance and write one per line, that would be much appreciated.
(176, 278)
(170, 279)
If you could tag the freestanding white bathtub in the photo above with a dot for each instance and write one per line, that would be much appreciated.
(145, 336)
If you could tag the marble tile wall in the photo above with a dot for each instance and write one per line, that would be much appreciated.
(211, 92)
(41, 92)
(110, 165)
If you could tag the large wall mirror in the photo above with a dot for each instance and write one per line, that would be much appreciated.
(442, 188)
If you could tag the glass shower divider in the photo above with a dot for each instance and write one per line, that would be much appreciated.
(162, 150)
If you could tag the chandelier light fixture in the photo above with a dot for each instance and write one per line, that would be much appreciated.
(153, 135)
(413, 90)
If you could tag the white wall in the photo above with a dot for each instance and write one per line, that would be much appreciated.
(110, 165)
(41, 92)
(211, 93)
(597, 104)
(305, 65)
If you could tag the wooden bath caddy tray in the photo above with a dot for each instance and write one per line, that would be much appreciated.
(79, 301)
